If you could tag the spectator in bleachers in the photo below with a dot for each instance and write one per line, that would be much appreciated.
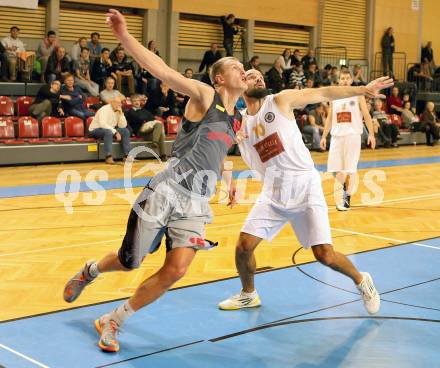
(297, 78)
(47, 102)
(182, 100)
(3, 64)
(358, 78)
(308, 59)
(325, 76)
(162, 102)
(142, 83)
(210, 57)
(254, 63)
(409, 118)
(102, 68)
(388, 47)
(18, 59)
(313, 73)
(430, 124)
(206, 77)
(108, 123)
(94, 46)
(394, 102)
(81, 69)
(229, 30)
(75, 52)
(188, 73)
(45, 49)
(334, 76)
(124, 70)
(153, 47)
(310, 83)
(428, 55)
(285, 59)
(388, 131)
(296, 57)
(143, 124)
(275, 77)
(315, 125)
(109, 92)
(58, 66)
(73, 105)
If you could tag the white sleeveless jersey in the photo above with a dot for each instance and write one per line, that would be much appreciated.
(274, 142)
(346, 117)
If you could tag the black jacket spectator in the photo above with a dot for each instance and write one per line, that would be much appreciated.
(137, 117)
(44, 93)
(387, 44)
(307, 60)
(275, 80)
(162, 104)
(427, 53)
(4, 63)
(55, 66)
(209, 58)
(100, 71)
(124, 65)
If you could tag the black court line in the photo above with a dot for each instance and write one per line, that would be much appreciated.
(262, 327)
(155, 352)
(211, 281)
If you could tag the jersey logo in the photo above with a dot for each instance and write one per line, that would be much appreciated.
(259, 130)
(343, 117)
(221, 108)
(269, 117)
(269, 147)
(220, 136)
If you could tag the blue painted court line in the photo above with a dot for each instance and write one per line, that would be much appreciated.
(49, 189)
(322, 326)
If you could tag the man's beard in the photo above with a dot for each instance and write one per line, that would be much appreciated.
(257, 93)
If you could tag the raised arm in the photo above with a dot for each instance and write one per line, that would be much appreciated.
(296, 98)
(155, 65)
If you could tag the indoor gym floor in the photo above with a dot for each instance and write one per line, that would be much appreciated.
(311, 316)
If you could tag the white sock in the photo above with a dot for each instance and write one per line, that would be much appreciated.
(121, 313)
(249, 295)
(93, 270)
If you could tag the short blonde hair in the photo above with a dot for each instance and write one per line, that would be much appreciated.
(218, 67)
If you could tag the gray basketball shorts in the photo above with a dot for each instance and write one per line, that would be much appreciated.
(164, 210)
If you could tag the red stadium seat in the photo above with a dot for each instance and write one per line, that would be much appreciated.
(396, 120)
(127, 105)
(23, 104)
(28, 127)
(74, 127)
(92, 100)
(173, 124)
(51, 127)
(88, 122)
(6, 106)
(6, 129)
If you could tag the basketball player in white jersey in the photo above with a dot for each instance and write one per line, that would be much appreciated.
(271, 144)
(344, 122)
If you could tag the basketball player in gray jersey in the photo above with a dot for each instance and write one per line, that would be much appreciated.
(175, 202)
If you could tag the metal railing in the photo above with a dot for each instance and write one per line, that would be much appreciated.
(399, 65)
(335, 56)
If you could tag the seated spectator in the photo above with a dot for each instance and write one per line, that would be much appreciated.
(47, 102)
(394, 103)
(430, 124)
(254, 63)
(313, 73)
(182, 100)
(153, 47)
(310, 83)
(81, 68)
(275, 78)
(296, 57)
(206, 77)
(325, 75)
(210, 57)
(108, 123)
(308, 59)
(102, 68)
(73, 104)
(408, 116)
(143, 124)
(315, 125)
(58, 66)
(94, 46)
(358, 78)
(285, 60)
(142, 81)
(3, 64)
(45, 49)
(162, 102)
(75, 52)
(297, 78)
(18, 58)
(388, 132)
(109, 92)
(124, 70)
(334, 76)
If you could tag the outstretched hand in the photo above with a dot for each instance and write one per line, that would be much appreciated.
(116, 21)
(374, 87)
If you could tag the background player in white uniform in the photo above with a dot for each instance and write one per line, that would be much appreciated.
(271, 144)
(344, 121)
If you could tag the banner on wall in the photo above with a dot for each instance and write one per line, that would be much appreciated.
(28, 4)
